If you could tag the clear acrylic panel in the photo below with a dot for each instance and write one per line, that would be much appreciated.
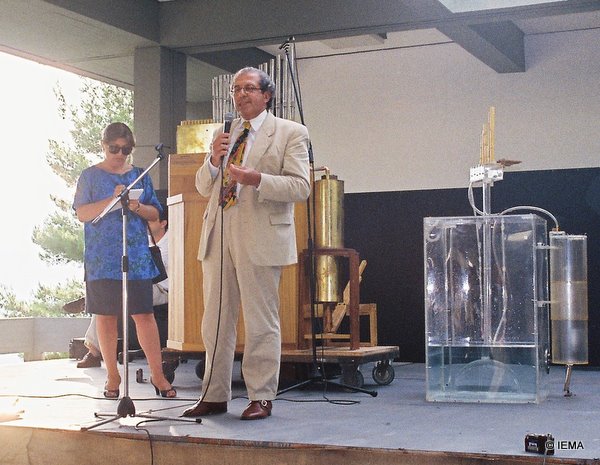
(486, 314)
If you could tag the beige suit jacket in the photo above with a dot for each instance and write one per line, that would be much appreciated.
(280, 154)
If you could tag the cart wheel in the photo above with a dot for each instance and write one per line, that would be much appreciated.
(383, 373)
(352, 376)
(169, 368)
(200, 369)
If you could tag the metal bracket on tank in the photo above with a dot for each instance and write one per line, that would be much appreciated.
(567, 385)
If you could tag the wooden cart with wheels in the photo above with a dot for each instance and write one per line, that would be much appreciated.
(349, 362)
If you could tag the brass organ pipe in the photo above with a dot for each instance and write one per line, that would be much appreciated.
(329, 226)
(289, 88)
(215, 97)
(277, 74)
(282, 91)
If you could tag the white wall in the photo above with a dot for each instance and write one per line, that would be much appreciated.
(34, 336)
(411, 118)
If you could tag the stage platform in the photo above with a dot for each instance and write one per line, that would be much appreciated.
(309, 426)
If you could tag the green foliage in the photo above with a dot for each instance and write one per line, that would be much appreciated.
(66, 162)
(47, 300)
(102, 105)
(61, 237)
(9, 304)
(55, 355)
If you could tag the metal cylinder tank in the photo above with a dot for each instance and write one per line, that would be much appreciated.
(329, 226)
(569, 298)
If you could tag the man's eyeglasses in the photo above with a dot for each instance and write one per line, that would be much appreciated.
(246, 89)
(125, 150)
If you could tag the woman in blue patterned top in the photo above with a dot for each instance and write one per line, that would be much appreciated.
(97, 187)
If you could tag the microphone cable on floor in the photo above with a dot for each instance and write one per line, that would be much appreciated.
(205, 389)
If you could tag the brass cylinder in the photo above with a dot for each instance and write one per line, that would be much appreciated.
(329, 225)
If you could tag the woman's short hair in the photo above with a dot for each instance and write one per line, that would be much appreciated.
(116, 131)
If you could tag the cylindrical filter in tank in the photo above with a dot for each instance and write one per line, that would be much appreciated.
(569, 298)
(329, 225)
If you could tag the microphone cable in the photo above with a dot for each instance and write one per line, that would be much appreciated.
(220, 309)
(227, 120)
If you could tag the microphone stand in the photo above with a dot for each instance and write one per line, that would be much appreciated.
(317, 371)
(126, 406)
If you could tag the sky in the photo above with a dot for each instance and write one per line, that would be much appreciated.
(28, 118)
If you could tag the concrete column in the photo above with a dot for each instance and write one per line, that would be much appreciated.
(159, 106)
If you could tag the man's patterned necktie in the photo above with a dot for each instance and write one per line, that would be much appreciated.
(229, 187)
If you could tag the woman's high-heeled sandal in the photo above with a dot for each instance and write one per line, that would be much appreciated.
(168, 393)
(110, 393)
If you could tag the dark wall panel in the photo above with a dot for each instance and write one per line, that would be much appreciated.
(386, 228)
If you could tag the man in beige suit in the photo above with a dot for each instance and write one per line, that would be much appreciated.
(244, 245)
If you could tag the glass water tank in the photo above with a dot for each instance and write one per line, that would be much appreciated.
(486, 308)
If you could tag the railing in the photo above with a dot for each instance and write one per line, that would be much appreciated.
(35, 336)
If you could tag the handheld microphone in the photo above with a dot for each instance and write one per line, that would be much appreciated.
(227, 119)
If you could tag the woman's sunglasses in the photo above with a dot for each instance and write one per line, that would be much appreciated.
(125, 150)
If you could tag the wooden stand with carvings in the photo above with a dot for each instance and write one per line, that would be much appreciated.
(332, 315)
(304, 317)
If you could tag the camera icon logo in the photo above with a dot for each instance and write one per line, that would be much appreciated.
(549, 444)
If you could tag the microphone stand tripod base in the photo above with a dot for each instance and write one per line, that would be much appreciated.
(126, 407)
(317, 377)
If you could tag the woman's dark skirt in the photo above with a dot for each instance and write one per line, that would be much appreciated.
(105, 296)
